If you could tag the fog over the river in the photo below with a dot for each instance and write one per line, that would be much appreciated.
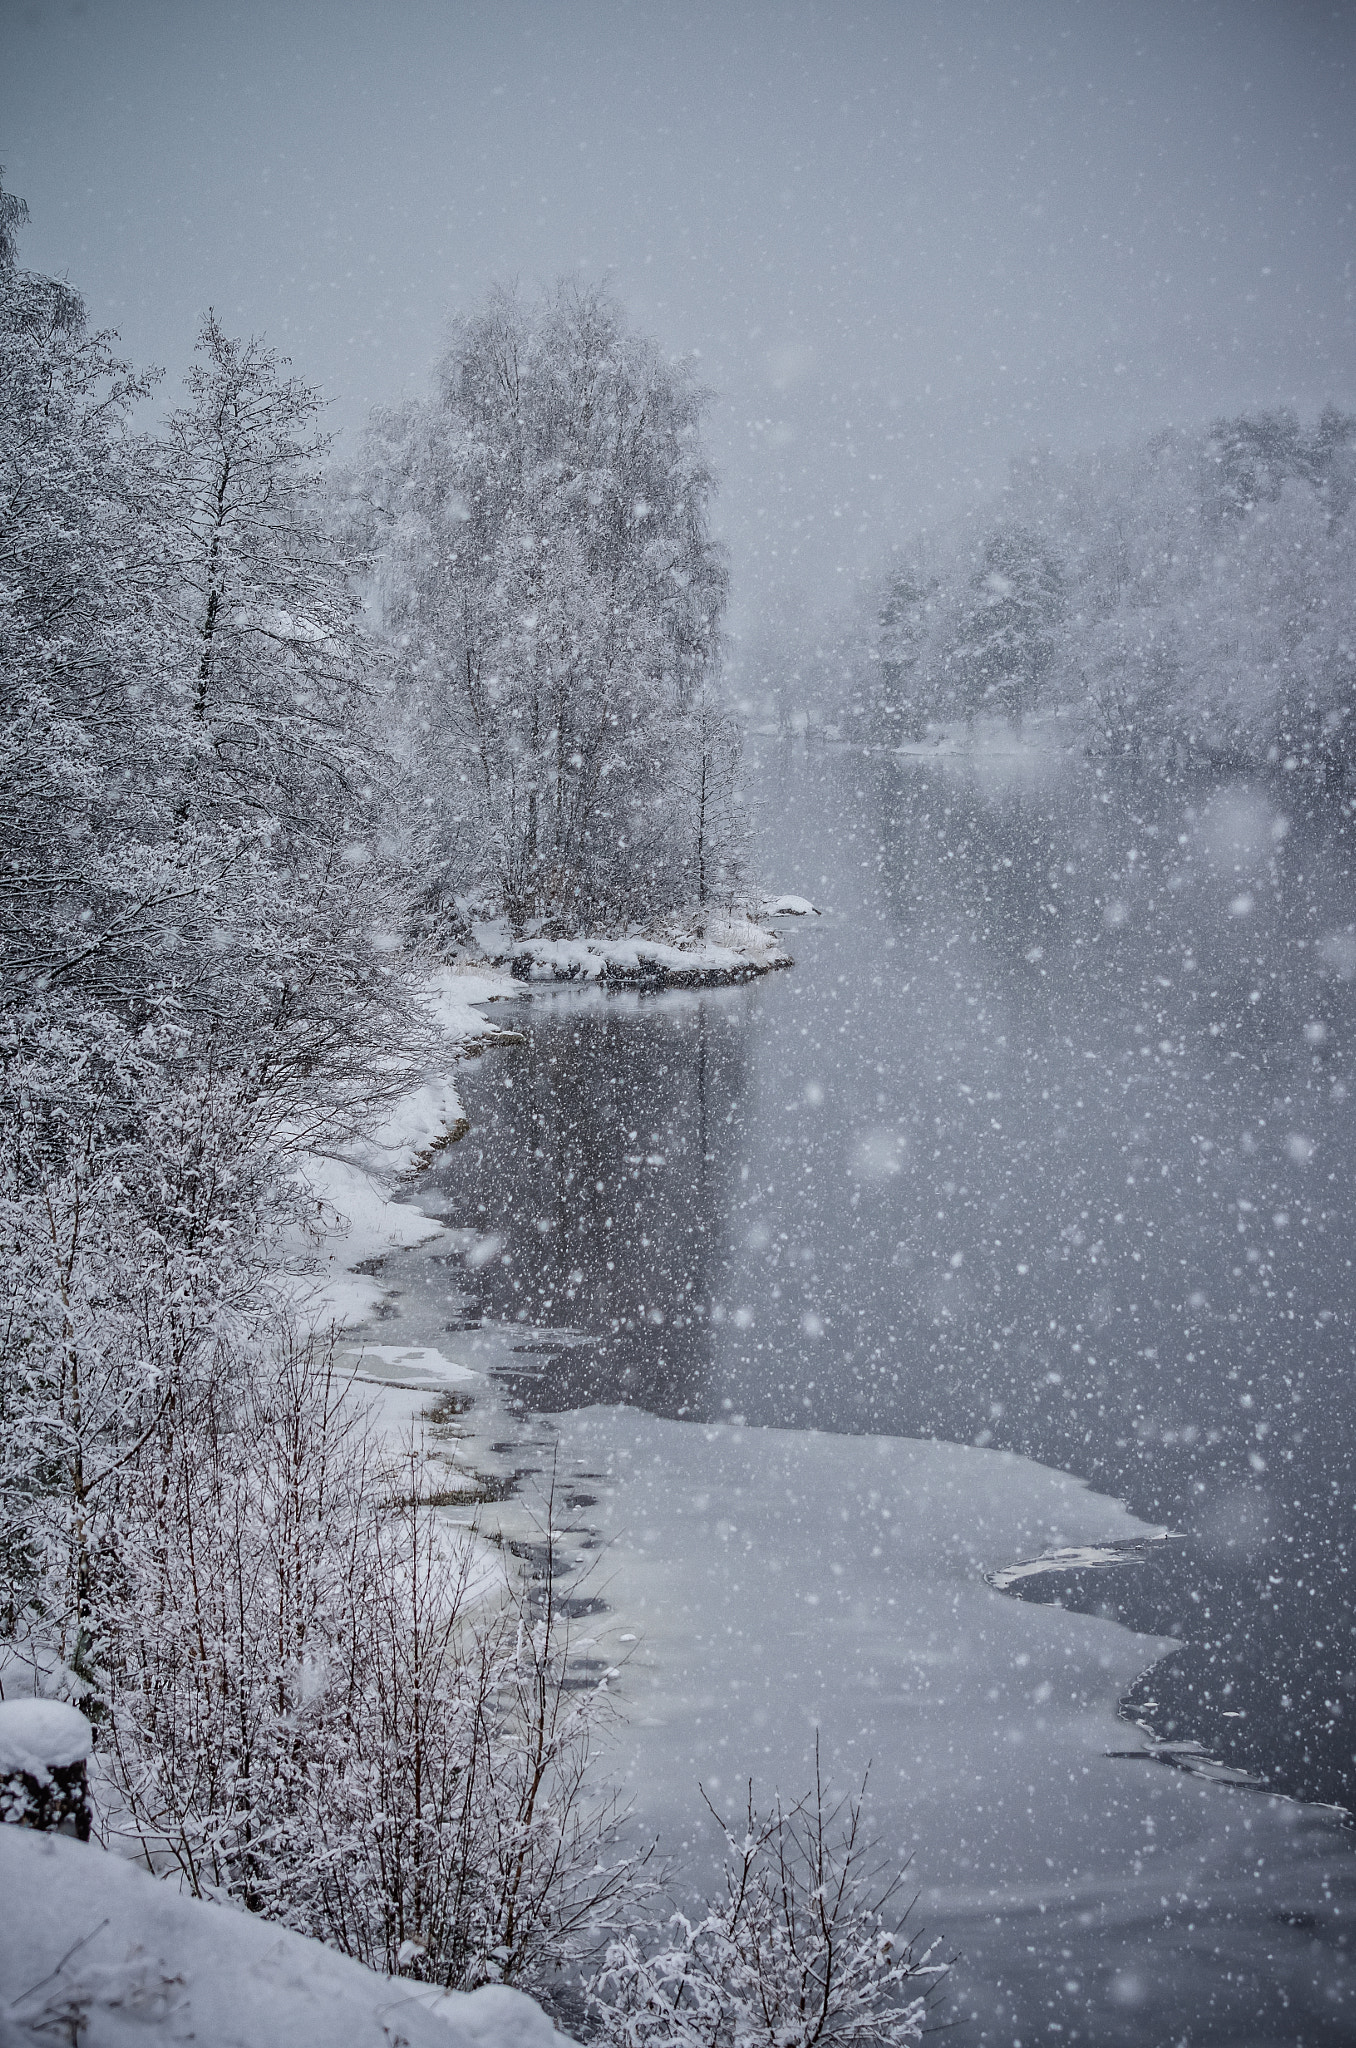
(907, 240)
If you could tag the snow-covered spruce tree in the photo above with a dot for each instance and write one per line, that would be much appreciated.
(83, 896)
(805, 1947)
(78, 572)
(186, 960)
(285, 959)
(537, 532)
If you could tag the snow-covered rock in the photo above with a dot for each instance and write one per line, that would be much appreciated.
(94, 1949)
(43, 1747)
(37, 1736)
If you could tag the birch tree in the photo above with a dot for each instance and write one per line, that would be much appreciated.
(538, 531)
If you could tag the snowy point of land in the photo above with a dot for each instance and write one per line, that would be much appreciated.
(709, 952)
(98, 1951)
(789, 906)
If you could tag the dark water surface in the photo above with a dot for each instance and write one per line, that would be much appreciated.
(1045, 1142)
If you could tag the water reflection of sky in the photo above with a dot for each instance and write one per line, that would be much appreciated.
(1045, 1142)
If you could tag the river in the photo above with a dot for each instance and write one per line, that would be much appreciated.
(1045, 1142)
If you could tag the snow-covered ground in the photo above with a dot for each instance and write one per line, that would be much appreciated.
(95, 1951)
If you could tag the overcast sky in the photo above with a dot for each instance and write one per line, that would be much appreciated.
(906, 240)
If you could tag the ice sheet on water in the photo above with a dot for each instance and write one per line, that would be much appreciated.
(1194, 1758)
(416, 1363)
(787, 1584)
(1075, 1557)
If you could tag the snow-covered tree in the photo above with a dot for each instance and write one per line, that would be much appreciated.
(901, 701)
(77, 560)
(709, 826)
(277, 804)
(186, 955)
(1012, 610)
(538, 532)
(1192, 594)
(80, 1043)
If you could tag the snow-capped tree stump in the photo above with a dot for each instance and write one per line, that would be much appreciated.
(43, 1747)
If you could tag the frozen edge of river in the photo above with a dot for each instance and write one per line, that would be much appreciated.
(755, 1588)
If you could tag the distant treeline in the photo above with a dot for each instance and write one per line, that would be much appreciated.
(1193, 594)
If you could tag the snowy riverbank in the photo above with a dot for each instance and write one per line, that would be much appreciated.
(352, 1215)
(91, 1942)
(98, 1951)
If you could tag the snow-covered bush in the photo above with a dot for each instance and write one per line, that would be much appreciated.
(465, 1841)
(805, 1946)
(331, 1706)
(135, 1213)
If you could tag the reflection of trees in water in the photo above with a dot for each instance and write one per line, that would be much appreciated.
(609, 1152)
(994, 862)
